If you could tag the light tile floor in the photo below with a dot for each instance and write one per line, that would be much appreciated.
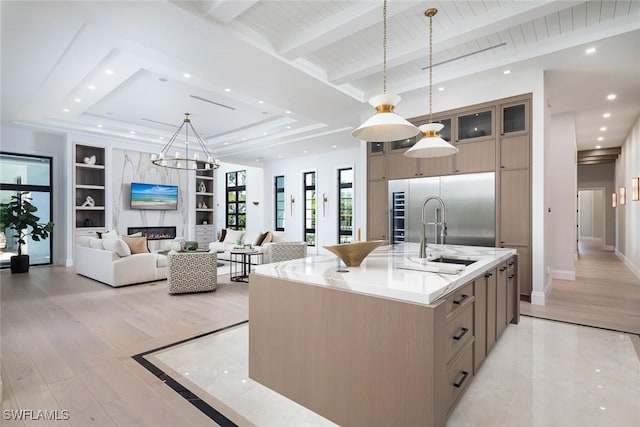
(541, 373)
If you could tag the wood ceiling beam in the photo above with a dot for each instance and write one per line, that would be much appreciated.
(225, 11)
(594, 162)
(614, 151)
(505, 17)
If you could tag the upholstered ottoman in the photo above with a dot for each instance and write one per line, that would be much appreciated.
(192, 272)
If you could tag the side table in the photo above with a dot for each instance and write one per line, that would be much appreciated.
(241, 260)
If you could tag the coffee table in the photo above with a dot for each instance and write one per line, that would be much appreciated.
(241, 260)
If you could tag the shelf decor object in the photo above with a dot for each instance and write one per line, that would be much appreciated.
(614, 200)
(352, 254)
(635, 188)
(623, 196)
(431, 144)
(385, 125)
(182, 159)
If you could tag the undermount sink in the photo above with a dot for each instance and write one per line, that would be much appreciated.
(448, 260)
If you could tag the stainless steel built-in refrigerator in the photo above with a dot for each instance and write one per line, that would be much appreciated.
(470, 203)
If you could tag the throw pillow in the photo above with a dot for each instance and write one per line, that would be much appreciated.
(138, 245)
(277, 236)
(262, 239)
(223, 233)
(95, 243)
(233, 236)
(112, 234)
(268, 238)
(118, 246)
(251, 237)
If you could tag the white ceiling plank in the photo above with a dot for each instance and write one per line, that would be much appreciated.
(502, 19)
(339, 26)
(225, 11)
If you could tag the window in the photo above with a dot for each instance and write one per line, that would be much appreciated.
(237, 200)
(32, 174)
(279, 198)
(309, 189)
(345, 205)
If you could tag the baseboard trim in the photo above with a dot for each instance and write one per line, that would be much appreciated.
(563, 274)
(539, 298)
(68, 262)
(608, 248)
(630, 265)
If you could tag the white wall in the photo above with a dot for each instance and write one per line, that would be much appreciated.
(326, 167)
(16, 139)
(585, 213)
(628, 215)
(601, 177)
(561, 173)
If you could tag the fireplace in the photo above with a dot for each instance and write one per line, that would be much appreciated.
(154, 233)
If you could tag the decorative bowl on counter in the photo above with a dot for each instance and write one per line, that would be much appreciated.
(352, 254)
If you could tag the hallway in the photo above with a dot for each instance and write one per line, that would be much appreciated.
(605, 294)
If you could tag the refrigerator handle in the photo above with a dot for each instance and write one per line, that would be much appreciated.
(390, 235)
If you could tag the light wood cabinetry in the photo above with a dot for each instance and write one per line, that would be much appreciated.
(491, 283)
(90, 187)
(491, 137)
(377, 213)
(501, 299)
(383, 361)
(204, 208)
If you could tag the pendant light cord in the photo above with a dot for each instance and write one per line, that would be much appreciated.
(430, 67)
(384, 47)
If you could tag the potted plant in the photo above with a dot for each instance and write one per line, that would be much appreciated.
(18, 215)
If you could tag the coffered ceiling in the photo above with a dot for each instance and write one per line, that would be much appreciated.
(264, 79)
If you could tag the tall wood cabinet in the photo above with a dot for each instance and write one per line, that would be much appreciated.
(490, 137)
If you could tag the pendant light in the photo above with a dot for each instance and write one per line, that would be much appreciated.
(431, 144)
(385, 125)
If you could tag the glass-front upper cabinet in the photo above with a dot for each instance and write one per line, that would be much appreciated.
(376, 147)
(445, 133)
(478, 124)
(514, 117)
(405, 144)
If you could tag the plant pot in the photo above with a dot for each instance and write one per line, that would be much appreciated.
(20, 264)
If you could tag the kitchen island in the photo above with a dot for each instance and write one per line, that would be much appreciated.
(395, 341)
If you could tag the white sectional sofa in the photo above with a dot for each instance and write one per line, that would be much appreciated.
(108, 261)
(273, 248)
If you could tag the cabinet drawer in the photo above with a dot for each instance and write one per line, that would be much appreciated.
(459, 330)
(458, 299)
(459, 376)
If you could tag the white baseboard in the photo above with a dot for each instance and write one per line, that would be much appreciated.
(563, 274)
(608, 248)
(630, 265)
(538, 298)
(68, 262)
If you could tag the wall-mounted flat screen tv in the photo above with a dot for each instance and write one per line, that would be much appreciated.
(154, 196)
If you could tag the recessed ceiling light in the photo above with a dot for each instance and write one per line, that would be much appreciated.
(226, 143)
(264, 133)
(186, 75)
(606, 115)
(288, 127)
(91, 87)
(99, 126)
(227, 89)
(603, 128)
(244, 139)
(77, 100)
(288, 112)
(600, 138)
(611, 96)
(261, 102)
(590, 51)
(333, 146)
(505, 72)
(162, 137)
(598, 146)
(279, 156)
(66, 110)
(108, 72)
(441, 88)
(304, 152)
(132, 132)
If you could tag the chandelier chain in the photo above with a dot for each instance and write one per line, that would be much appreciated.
(384, 47)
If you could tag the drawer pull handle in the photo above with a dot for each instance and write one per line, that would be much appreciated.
(503, 268)
(461, 299)
(488, 275)
(510, 263)
(511, 276)
(462, 332)
(462, 379)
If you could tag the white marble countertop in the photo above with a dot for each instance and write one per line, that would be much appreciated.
(393, 271)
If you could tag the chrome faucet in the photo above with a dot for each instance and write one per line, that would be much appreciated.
(443, 223)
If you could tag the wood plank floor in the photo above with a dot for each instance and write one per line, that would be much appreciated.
(67, 343)
(605, 294)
